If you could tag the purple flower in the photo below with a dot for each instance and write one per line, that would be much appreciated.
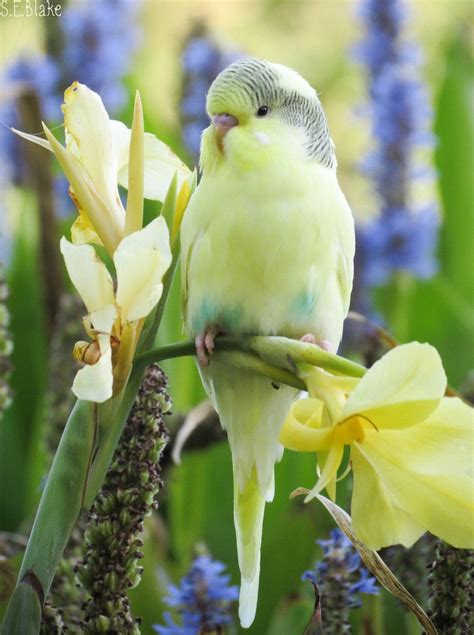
(202, 60)
(402, 237)
(203, 598)
(341, 578)
(100, 38)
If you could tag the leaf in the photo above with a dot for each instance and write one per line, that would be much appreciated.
(24, 611)
(315, 626)
(440, 310)
(57, 513)
(374, 562)
(454, 127)
(21, 450)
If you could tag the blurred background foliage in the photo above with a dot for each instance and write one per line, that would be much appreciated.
(148, 45)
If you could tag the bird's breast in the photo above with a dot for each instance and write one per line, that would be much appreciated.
(257, 252)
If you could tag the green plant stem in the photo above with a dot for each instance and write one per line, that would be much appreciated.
(275, 354)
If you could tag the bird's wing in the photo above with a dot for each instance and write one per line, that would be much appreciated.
(345, 261)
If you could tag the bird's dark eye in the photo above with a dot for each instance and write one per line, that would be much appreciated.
(263, 111)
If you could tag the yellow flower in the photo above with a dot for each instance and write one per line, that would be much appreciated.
(114, 320)
(96, 160)
(411, 448)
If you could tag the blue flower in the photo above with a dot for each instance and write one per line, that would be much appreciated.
(39, 74)
(100, 39)
(203, 598)
(340, 576)
(398, 241)
(403, 236)
(202, 60)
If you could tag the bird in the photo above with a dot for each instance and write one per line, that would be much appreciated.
(267, 248)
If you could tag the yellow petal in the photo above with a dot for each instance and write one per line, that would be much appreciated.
(401, 389)
(82, 232)
(182, 201)
(89, 138)
(301, 430)
(329, 471)
(428, 471)
(161, 163)
(377, 519)
(44, 143)
(88, 198)
(141, 260)
(103, 321)
(88, 274)
(94, 383)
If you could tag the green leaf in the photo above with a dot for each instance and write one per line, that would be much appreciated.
(441, 310)
(57, 513)
(24, 612)
(291, 616)
(454, 127)
(21, 454)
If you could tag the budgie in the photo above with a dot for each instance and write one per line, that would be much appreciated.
(267, 248)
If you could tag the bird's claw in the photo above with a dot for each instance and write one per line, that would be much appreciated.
(205, 342)
(326, 345)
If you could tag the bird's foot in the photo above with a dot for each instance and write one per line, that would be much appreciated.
(326, 345)
(205, 343)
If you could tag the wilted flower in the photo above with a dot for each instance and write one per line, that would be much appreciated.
(410, 447)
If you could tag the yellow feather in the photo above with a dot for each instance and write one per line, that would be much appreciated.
(267, 248)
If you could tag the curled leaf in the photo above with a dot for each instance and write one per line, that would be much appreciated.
(315, 626)
(374, 562)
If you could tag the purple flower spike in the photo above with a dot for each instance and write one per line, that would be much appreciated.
(203, 598)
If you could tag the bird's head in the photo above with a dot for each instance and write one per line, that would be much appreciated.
(260, 111)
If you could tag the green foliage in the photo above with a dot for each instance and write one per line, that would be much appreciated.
(440, 310)
(21, 456)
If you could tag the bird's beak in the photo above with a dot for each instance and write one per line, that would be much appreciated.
(223, 123)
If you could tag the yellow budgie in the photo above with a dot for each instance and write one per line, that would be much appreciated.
(267, 248)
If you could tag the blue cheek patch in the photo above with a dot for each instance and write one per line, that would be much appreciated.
(212, 313)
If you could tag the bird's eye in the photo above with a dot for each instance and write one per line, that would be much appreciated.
(263, 111)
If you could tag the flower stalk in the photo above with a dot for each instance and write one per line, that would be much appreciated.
(6, 346)
(340, 577)
(451, 594)
(111, 565)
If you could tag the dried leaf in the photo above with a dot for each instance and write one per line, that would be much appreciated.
(315, 626)
(374, 562)
(195, 417)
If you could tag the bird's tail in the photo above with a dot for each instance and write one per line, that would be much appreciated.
(249, 506)
(252, 411)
